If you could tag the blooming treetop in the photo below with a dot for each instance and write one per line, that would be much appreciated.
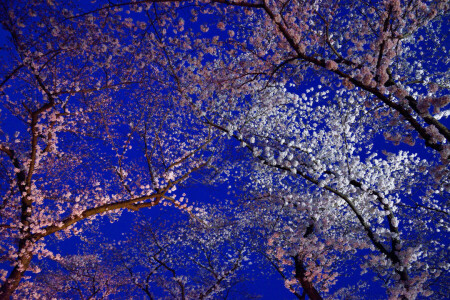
(89, 127)
(115, 104)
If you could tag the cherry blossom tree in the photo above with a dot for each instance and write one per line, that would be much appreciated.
(392, 52)
(109, 106)
(329, 169)
(184, 260)
(200, 260)
(89, 127)
(82, 276)
(364, 60)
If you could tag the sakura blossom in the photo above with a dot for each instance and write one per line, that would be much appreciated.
(321, 128)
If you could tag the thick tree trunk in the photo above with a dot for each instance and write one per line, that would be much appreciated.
(300, 272)
(307, 286)
(15, 276)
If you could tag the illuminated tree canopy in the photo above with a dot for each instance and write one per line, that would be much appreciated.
(321, 126)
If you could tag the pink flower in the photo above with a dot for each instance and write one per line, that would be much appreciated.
(331, 65)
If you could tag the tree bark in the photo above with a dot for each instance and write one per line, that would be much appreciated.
(307, 286)
(300, 272)
(16, 275)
